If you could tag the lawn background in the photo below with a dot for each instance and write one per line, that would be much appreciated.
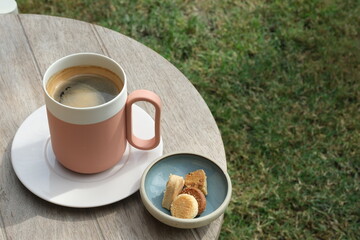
(282, 81)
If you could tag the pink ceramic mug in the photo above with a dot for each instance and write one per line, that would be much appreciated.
(93, 139)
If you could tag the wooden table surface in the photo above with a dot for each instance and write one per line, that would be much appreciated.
(28, 45)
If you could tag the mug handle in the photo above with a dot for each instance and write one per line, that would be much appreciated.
(151, 97)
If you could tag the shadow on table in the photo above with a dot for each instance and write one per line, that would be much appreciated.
(128, 217)
(18, 204)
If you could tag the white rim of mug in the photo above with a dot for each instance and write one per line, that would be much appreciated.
(85, 108)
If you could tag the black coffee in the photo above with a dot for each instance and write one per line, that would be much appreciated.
(76, 88)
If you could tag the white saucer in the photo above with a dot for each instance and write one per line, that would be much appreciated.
(35, 165)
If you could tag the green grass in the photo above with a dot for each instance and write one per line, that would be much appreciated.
(282, 79)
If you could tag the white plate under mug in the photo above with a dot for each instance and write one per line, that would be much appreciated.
(36, 167)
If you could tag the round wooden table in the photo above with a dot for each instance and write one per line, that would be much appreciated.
(28, 45)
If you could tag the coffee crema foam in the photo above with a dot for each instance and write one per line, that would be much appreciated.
(84, 86)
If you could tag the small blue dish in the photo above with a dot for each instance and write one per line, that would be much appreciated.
(155, 177)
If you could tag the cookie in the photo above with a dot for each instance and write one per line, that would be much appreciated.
(197, 179)
(198, 195)
(184, 206)
(173, 187)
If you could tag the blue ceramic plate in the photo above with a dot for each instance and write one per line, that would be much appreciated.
(156, 176)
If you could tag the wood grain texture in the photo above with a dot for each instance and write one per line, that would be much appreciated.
(51, 38)
(30, 43)
(2, 226)
(24, 215)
